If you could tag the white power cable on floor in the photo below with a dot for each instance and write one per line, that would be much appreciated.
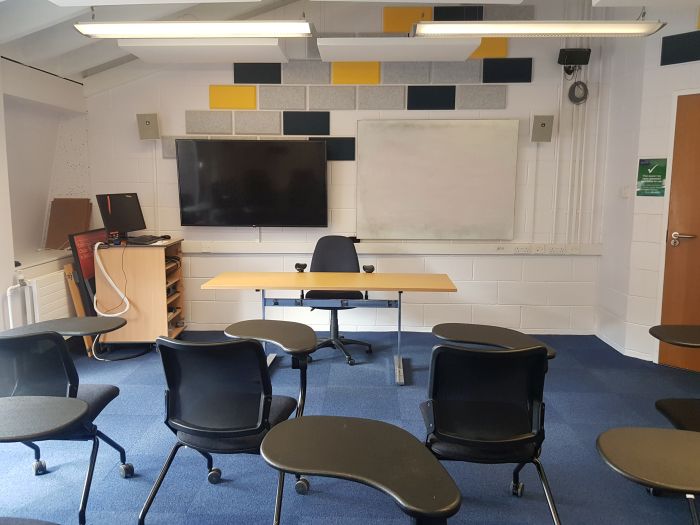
(122, 295)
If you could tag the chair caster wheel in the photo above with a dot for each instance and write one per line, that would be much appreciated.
(39, 467)
(214, 476)
(369, 349)
(351, 362)
(302, 486)
(517, 489)
(126, 470)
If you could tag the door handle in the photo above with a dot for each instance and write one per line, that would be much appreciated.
(676, 238)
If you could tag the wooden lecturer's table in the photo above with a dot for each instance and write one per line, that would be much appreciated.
(374, 282)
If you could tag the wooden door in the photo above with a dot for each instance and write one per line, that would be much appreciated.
(681, 294)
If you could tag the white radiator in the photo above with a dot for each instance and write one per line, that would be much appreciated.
(50, 298)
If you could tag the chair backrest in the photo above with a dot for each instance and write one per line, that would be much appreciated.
(335, 253)
(36, 365)
(484, 395)
(216, 389)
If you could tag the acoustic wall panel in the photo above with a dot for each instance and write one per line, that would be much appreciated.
(507, 70)
(454, 13)
(306, 72)
(331, 97)
(232, 97)
(468, 72)
(208, 122)
(338, 148)
(401, 19)
(257, 122)
(431, 97)
(509, 12)
(456, 179)
(678, 49)
(306, 123)
(167, 145)
(282, 97)
(405, 72)
(381, 97)
(257, 73)
(355, 72)
(481, 97)
(491, 47)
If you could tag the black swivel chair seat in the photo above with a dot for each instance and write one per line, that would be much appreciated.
(335, 253)
(485, 406)
(40, 365)
(218, 401)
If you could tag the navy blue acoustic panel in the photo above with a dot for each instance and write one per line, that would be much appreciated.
(338, 148)
(431, 97)
(257, 73)
(507, 70)
(677, 49)
(306, 123)
(458, 12)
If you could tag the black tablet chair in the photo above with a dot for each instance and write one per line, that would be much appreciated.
(335, 253)
(218, 400)
(485, 406)
(40, 365)
(684, 414)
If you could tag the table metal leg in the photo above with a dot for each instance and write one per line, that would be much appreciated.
(278, 500)
(693, 510)
(398, 360)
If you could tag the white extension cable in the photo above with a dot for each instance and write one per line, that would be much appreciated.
(122, 296)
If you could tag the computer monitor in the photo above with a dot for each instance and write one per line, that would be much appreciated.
(83, 244)
(121, 213)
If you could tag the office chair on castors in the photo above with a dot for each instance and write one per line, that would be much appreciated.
(335, 253)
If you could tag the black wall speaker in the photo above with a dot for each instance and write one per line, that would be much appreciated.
(574, 56)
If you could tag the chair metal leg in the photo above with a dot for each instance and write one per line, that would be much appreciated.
(301, 362)
(693, 511)
(35, 448)
(347, 341)
(116, 446)
(88, 480)
(516, 473)
(278, 499)
(158, 483)
(210, 460)
(547, 491)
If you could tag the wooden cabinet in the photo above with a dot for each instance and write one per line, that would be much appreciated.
(151, 277)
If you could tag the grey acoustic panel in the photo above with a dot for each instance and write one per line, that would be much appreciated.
(282, 97)
(258, 122)
(405, 72)
(542, 126)
(331, 97)
(208, 122)
(468, 72)
(509, 12)
(148, 125)
(306, 72)
(167, 145)
(381, 97)
(481, 97)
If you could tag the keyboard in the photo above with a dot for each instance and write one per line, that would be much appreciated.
(144, 239)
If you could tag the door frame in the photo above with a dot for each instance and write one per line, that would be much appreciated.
(667, 203)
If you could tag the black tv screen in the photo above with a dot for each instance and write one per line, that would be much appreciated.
(252, 182)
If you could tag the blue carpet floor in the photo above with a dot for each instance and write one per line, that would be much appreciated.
(589, 388)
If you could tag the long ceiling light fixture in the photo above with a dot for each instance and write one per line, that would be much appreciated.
(187, 29)
(534, 28)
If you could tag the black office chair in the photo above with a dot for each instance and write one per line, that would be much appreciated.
(335, 253)
(218, 401)
(684, 414)
(40, 365)
(486, 406)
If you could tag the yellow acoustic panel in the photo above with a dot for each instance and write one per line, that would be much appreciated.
(232, 97)
(491, 47)
(355, 73)
(401, 19)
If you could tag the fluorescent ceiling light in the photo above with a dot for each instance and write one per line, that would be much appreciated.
(532, 28)
(90, 3)
(441, 2)
(232, 29)
(646, 3)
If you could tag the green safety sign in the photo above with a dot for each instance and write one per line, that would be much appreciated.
(651, 178)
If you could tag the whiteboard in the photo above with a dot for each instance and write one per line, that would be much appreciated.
(436, 179)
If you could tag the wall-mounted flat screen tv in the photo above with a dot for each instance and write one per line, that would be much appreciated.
(252, 182)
